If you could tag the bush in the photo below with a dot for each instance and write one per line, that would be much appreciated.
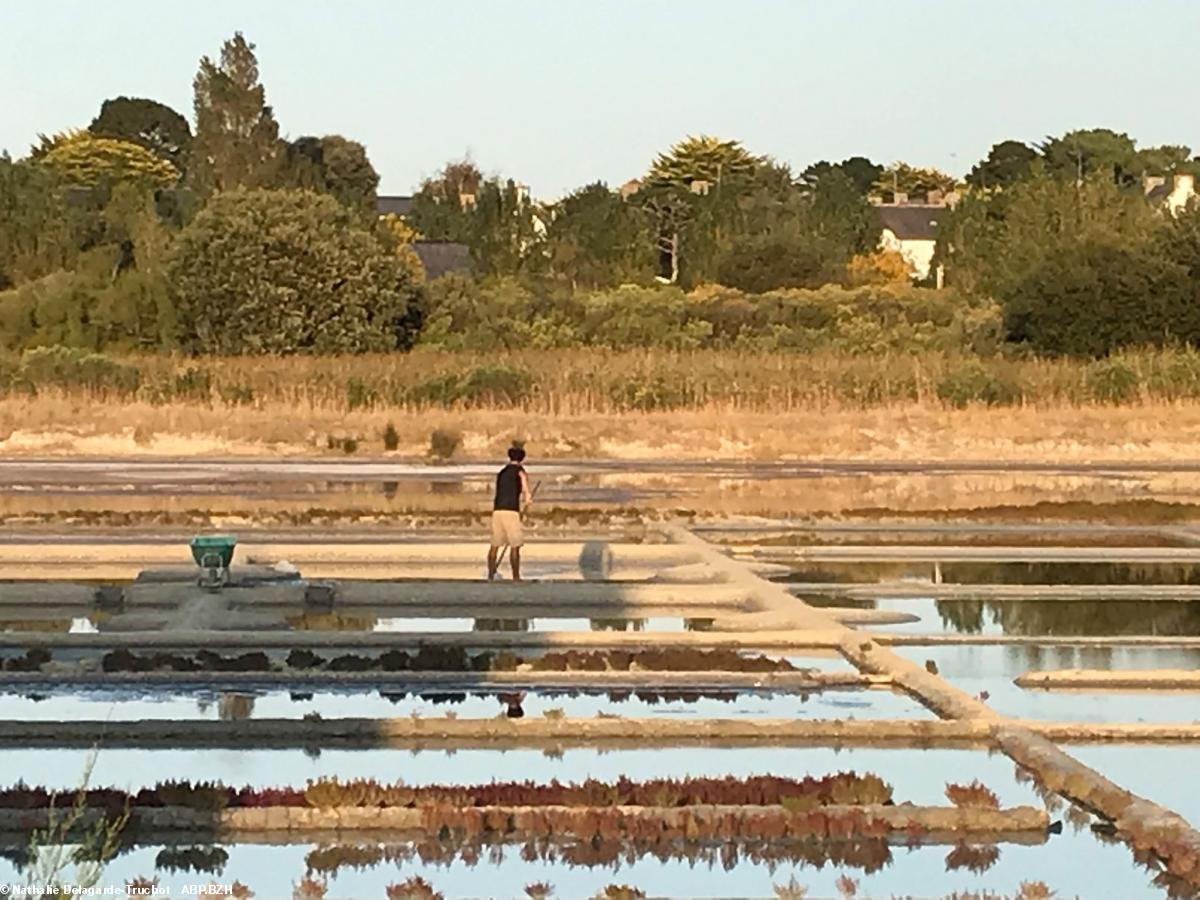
(868, 319)
(237, 394)
(192, 385)
(1093, 299)
(972, 382)
(67, 368)
(286, 271)
(647, 394)
(489, 385)
(443, 443)
(359, 395)
(1111, 381)
(391, 438)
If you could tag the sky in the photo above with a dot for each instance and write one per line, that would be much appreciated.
(560, 93)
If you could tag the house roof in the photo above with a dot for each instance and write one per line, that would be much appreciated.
(911, 222)
(393, 205)
(442, 257)
(1159, 193)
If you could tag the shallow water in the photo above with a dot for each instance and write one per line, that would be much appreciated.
(976, 668)
(993, 573)
(452, 624)
(241, 702)
(1075, 865)
(1035, 618)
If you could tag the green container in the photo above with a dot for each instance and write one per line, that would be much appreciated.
(213, 551)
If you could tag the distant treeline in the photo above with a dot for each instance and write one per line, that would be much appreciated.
(144, 231)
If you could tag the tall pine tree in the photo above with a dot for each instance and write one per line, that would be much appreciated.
(237, 138)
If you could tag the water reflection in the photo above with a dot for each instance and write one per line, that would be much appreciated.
(996, 573)
(233, 707)
(1071, 618)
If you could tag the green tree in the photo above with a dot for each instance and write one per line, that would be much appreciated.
(237, 138)
(1168, 159)
(1078, 154)
(799, 238)
(80, 159)
(147, 123)
(706, 162)
(287, 271)
(1093, 298)
(503, 235)
(1006, 163)
(441, 208)
(990, 243)
(692, 195)
(861, 171)
(914, 181)
(37, 231)
(335, 165)
(594, 238)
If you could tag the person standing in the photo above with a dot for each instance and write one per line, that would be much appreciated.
(512, 495)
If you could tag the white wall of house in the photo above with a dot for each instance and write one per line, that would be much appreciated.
(919, 254)
(1182, 192)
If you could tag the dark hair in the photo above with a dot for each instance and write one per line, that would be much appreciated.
(516, 454)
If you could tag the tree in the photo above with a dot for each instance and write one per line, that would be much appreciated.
(1006, 163)
(764, 262)
(692, 193)
(990, 242)
(441, 208)
(237, 138)
(595, 238)
(1078, 154)
(37, 232)
(1168, 159)
(796, 238)
(147, 123)
(1093, 298)
(80, 159)
(503, 232)
(336, 166)
(861, 171)
(286, 271)
(902, 178)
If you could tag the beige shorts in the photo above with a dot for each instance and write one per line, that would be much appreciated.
(506, 528)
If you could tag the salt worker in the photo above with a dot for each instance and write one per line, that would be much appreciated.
(512, 496)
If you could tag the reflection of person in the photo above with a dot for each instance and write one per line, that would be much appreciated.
(513, 704)
(512, 495)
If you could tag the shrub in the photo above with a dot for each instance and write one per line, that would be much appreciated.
(391, 438)
(1111, 381)
(68, 368)
(972, 382)
(1091, 299)
(488, 385)
(237, 394)
(651, 393)
(360, 395)
(192, 384)
(443, 443)
(288, 271)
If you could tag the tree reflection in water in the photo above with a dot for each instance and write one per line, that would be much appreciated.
(1061, 618)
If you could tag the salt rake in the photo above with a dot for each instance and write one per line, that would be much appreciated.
(504, 549)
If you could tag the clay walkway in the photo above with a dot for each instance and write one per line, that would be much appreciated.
(1139, 820)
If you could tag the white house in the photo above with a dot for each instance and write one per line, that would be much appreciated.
(911, 229)
(1171, 194)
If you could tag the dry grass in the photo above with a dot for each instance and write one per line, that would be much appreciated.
(578, 404)
(74, 425)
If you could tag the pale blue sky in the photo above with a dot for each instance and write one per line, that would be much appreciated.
(559, 93)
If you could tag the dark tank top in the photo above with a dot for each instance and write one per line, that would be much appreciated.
(508, 488)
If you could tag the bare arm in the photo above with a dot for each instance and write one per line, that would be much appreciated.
(526, 494)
